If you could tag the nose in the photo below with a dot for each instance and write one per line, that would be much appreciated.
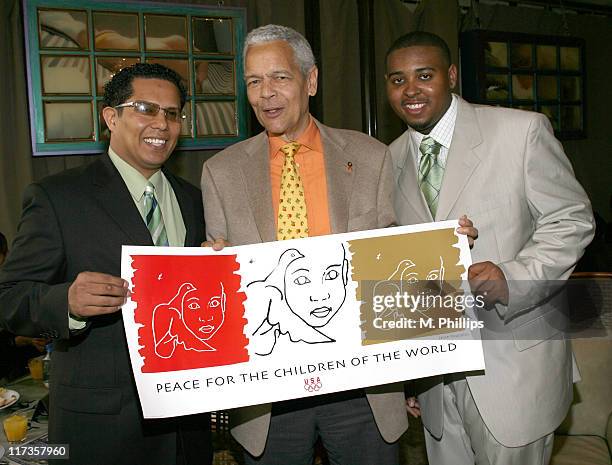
(319, 298)
(411, 88)
(267, 88)
(160, 121)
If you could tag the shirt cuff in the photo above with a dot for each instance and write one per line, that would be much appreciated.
(75, 323)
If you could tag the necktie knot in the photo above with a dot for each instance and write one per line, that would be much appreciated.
(149, 190)
(429, 147)
(290, 149)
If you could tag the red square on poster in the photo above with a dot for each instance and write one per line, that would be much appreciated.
(191, 311)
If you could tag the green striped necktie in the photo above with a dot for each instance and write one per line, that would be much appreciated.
(154, 219)
(431, 173)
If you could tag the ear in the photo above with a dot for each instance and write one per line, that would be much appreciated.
(312, 80)
(345, 270)
(452, 76)
(110, 115)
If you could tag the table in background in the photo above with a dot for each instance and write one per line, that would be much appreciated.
(30, 392)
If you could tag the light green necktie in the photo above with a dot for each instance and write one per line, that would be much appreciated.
(153, 218)
(430, 173)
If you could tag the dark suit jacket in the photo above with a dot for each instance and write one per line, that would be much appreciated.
(72, 222)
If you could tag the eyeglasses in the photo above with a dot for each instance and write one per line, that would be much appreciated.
(152, 109)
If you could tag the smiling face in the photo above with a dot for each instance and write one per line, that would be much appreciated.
(277, 90)
(145, 142)
(202, 317)
(315, 286)
(419, 83)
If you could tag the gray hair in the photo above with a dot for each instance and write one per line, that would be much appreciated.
(302, 52)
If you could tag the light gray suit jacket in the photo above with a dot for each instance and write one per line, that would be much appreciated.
(238, 207)
(509, 174)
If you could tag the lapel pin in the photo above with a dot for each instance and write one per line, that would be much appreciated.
(349, 167)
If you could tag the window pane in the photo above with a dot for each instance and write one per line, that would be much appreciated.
(116, 31)
(63, 29)
(497, 87)
(571, 118)
(570, 88)
(522, 86)
(68, 121)
(212, 35)
(570, 58)
(166, 33)
(552, 111)
(214, 77)
(216, 118)
(496, 54)
(180, 66)
(547, 88)
(521, 56)
(187, 123)
(106, 67)
(547, 56)
(65, 75)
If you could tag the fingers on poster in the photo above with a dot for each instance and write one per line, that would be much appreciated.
(198, 311)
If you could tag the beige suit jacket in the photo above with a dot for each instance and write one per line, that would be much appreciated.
(238, 207)
(509, 174)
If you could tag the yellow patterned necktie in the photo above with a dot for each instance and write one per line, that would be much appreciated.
(292, 219)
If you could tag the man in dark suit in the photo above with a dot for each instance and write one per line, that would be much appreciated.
(61, 278)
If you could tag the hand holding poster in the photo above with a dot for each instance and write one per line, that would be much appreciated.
(266, 322)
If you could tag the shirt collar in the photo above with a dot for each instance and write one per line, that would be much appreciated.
(309, 140)
(134, 180)
(442, 132)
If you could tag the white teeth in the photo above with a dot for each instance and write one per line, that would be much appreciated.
(156, 142)
(415, 106)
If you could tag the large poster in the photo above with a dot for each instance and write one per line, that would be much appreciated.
(266, 322)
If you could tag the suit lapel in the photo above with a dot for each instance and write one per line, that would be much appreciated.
(256, 177)
(406, 178)
(114, 197)
(462, 159)
(339, 178)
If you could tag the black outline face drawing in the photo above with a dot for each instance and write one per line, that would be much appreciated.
(315, 287)
(203, 322)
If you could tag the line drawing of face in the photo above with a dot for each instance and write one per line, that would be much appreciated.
(431, 287)
(315, 286)
(203, 320)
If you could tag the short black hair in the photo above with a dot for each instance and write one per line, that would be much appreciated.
(421, 38)
(3, 244)
(119, 89)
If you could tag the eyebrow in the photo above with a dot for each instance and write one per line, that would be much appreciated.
(300, 269)
(192, 298)
(331, 266)
(418, 70)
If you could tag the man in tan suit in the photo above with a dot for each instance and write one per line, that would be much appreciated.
(507, 172)
(346, 181)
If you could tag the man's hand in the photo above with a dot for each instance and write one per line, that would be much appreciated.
(413, 407)
(488, 280)
(217, 245)
(96, 294)
(467, 227)
(36, 342)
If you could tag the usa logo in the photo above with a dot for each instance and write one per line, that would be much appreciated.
(313, 384)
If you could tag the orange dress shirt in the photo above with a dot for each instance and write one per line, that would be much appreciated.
(311, 166)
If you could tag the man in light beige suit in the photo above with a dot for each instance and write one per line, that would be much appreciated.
(507, 172)
(347, 184)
